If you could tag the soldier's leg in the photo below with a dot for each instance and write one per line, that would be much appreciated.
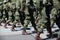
(13, 18)
(49, 28)
(4, 16)
(16, 16)
(22, 19)
(26, 22)
(14, 26)
(0, 22)
(8, 21)
(58, 36)
(10, 18)
(7, 16)
(58, 19)
(52, 23)
(22, 22)
(58, 23)
(40, 29)
(48, 21)
(0, 18)
(1, 14)
(33, 23)
(40, 11)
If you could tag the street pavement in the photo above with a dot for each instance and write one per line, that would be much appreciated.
(7, 34)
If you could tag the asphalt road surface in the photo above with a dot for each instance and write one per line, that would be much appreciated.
(7, 34)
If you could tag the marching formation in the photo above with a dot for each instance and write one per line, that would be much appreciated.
(41, 13)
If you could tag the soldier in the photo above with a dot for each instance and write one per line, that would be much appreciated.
(41, 22)
(31, 9)
(48, 6)
(25, 21)
(16, 14)
(53, 16)
(10, 18)
(1, 12)
(4, 13)
(21, 12)
(4, 17)
(29, 17)
(41, 6)
(57, 6)
(9, 6)
(17, 20)
(13, 10)
(8, 12)
(1, 8)
(57, 21)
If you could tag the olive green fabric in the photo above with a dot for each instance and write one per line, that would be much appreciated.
(42, 20)
(13, 0)
(27, 18)
(0, 10)
(59, 34)
(10, 15)
(56, 4)
(16, 15)
(53, 16)
(1, 0)
(4, 15)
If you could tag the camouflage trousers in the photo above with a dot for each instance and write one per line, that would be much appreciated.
(41, 24)
(26, 22)
(59, 34)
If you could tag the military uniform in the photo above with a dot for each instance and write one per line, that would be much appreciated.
(57, 6)
(29, 11)
(40, 6)
(53, 16)
(1, 8)
(8, 9)
(1, 12)
(1, 0)
(27, 19)
(48, 6)
(13, 10)
(41, 17)
(21, 10)
(41, 20)
(4, 17)
(5, 8)
(16, 15)
(17, 19)
(10, 16)
(58, 36)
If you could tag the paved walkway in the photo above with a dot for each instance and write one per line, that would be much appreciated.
(7, 34)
